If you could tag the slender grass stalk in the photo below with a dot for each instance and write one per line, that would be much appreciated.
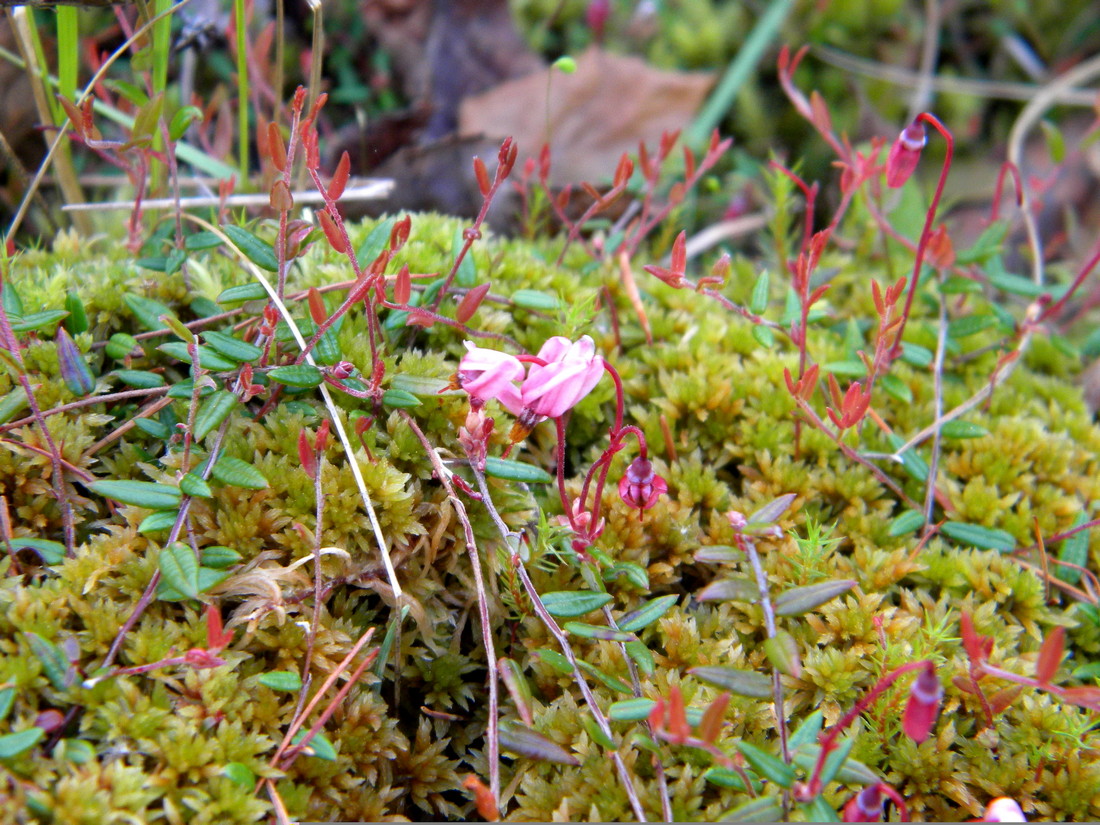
(68, 47)
(242, 89)
(162, 31)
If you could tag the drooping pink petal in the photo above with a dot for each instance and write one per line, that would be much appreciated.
(571, 372)
(487, 374)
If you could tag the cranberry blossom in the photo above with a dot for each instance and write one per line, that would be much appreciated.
(488, 374)
(571, 371)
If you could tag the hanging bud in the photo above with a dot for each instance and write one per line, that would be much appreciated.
(904, 154)
(923, 707)
(865, 806)
(640, 487)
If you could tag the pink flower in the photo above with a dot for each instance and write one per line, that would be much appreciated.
(487, 374)
(570, 373)
(641, 487)
(904, 154)
(923, 707)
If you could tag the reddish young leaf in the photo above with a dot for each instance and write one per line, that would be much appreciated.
(482, 175)
(648, 169)
(339, 180)
(657, 715)
(322, 436)
(402, 286)
(400, 233)
(689, 163)
(970, 639)
(925, 695)
(544, 163)
(74, 114)
(876, 294)
(711, 724)
(317, 309)
(216, 637)
(470, 302)
(483, 798)
(999, 701)
(668, 140)
(679, 253)
(941, 252)
(276, 147)
(281, 200)
(678, 726)
(332, 232)
(1086, 697)
(624, 170)
(1050, 655)
(90, 131)
(821, 118)
(306, 457)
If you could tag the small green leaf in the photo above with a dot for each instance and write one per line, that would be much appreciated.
(771, 512)
(963, 429)
(525, 742)
(897, 388)
(728, 778)
(239, 774)
(516, 471)
(55, 666)
(976, 536)
(533, 299)
(213, 412)
(911, 461)
(297, 375)
(180, 569)
(318, 746)
(182, 120)
(217, 557)
(763, 336)
(140, 379)
(400, 399)
(232, 347)
(804, 599)
(185, 389)
(847, 770)
(12, 404)
(157, 521)
(768, 766)
(51, 552)
(77, 322)
(595, 631)
(233, 471)
(466, 276)
(720, 553)
(284, 680)
(907, 522)
(846, 369)
(146, 494)
(9, 297)
(633, 573)
(244, 292)
(37, 320)
(642, 656)
(595, 732)
(915, 355)
(421, 385)
(208, 578)
(647, 614)
(970, 325)
(147, 311)
(568, 604)
(76, 751)
(1056, 143)
(782, 651)
(201, 240)
(818, 810)
(256, 250)
(152, 427)
(807, 731)
(555, 660)
(74, 369)
(607, 680)
(631, 710)
(958, 285)
(518, 688)
(13, 744)
(193, 485)
(742, 682)
(1074, 550)
(375, 243)
(761, 809)
(209, 359)
(760, 291)
(7, 699)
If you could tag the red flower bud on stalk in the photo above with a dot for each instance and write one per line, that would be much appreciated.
(640, 487)
(865, 806)
(905, 154)
(925, 695)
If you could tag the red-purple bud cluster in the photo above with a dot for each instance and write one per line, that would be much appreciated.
(640, 487)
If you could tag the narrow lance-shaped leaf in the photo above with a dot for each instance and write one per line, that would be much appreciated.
(1050, 655)
(648, 613)
(516, 684)
(533, 745)
(741, 682)
(803, 599)
(570, 604)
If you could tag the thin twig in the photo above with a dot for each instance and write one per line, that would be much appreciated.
(937, 407)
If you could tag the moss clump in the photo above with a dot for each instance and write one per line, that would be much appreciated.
(182, 744)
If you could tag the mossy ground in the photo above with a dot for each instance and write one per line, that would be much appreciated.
(155, 746)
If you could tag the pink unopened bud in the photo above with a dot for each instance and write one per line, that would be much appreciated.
(865, 806)
(923, 707)
(904, 154)
(641, 487)
(596, 16)
(737, 520)
(1003, 809)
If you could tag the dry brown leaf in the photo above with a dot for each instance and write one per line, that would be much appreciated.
(594, 115)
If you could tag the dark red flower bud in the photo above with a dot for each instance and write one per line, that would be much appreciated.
(904, 154)
(865, 806)
(923, 707)
(641, 487)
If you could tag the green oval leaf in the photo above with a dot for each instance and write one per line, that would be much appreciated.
(243, 292)
(213, 412)
(140, 379)
(139, 493)
(718, 553)
(595, 631)
(55, 666)
(897, 388)
(231, 347)
(782, 651)
(229, 470)
(631, 710)
(77, 322)
(193, 485)
(318, 746)
(568, 604)
(282, 680)
(977, 536)
(180, 569)
(297, 375)
(74, 369)
(147, 311)
(516, 471)
(803, 599)
(400, 399)
(760, 291)
(728, 778)
(642, 657)
(761, 809)
(742, 682)
(1075, 550)
(257, 251)
(528, 743)
(13, 744)
(37, 320)
(768, 766)
(737, 589)
(239, 774)
(160, 520)
(771, 512)
(7, 699)
(12, 404)
(375, 243)
(209, 359)
(218, 557)
(648, 613)
(963, 429)
(533, 299)
(907, 522)
(51, 552)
